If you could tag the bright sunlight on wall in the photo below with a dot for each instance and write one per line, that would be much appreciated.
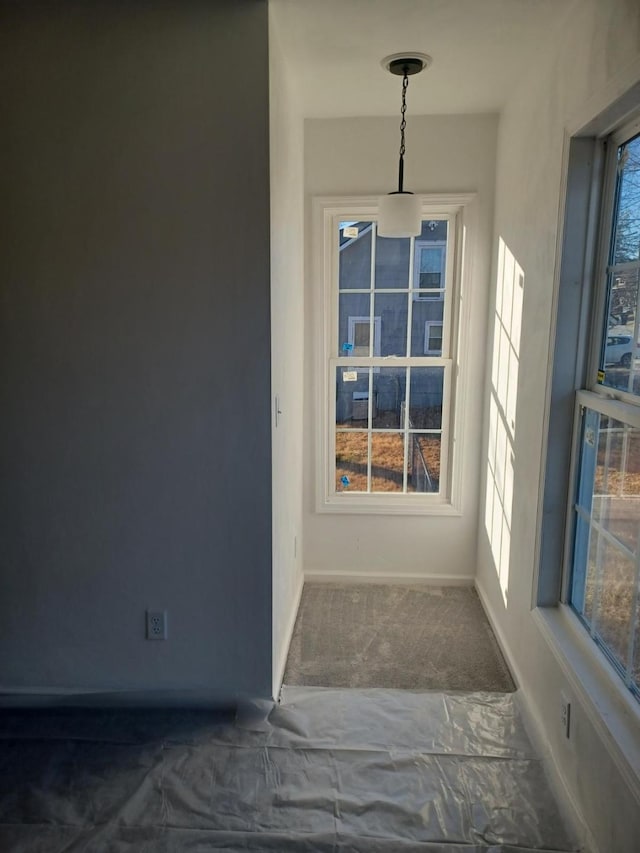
(502, 411)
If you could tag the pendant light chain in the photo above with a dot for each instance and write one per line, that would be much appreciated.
(400, 211)
(403, 125)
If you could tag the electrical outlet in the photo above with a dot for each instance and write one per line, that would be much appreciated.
(156, 624)
(565, 714)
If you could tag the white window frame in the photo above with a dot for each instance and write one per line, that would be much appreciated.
(460, 211)
(427, 330)
(420, 293)
(608, 400)
(578, 313)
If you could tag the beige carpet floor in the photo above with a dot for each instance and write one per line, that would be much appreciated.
(405, 637)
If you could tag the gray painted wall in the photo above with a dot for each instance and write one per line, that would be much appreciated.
(134, 348)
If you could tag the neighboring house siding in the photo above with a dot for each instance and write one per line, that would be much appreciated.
(391, 271)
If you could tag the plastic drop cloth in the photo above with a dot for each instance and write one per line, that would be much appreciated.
(326, 770)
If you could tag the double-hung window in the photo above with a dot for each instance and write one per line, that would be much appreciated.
(390, 334)
(604, 582)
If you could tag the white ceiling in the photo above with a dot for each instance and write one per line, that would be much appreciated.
(480, 48)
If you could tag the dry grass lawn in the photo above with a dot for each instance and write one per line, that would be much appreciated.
(387, 461)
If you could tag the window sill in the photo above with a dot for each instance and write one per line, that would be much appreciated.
(374, 505)
(610, 707)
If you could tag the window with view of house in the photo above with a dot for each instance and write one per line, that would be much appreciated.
(359, 335)
(429, 265)
(433, 337)
(604, 583)
(387, 406)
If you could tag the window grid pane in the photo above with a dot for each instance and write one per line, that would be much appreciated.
(378, 448)
(626, 243)
(619, 365)
(424, 462)
(606, 558)
(389, 421)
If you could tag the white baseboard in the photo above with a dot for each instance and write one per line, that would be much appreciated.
(563, 795)
(536, 731)
(284, 651)
(382, 578)
(499, 633)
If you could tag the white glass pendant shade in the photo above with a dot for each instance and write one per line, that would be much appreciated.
(400, 215)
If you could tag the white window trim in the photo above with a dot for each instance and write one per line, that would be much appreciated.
(618, 404)
(612, 402)
(602, 695)
(427, 329)
(461, 209)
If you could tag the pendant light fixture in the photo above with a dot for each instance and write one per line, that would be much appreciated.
(400, 211)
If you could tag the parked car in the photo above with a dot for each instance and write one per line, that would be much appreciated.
(619, 349)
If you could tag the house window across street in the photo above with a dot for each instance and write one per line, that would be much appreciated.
(429, 266)
(433, 338)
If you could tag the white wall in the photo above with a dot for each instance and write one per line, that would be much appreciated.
(287, 346)
(134, 352)
(359, 157)
(582, 66)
